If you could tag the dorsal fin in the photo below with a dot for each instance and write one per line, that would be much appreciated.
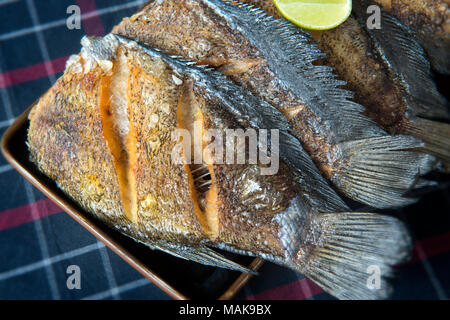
(291, 53)
(202, 254)
(407, 61)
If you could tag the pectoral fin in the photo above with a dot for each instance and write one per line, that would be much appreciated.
(203, 255)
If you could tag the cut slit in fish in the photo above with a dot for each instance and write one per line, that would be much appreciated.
(190, 118)
(119, 132)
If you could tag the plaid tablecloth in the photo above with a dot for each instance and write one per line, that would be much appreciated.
(38, 241)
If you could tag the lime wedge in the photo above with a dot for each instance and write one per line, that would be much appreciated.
(315, 14)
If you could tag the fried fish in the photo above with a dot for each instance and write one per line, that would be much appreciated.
(275, 61)
(430, 22)
(104, 134)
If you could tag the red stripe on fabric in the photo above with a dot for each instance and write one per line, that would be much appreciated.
(423, 249)
(298, 290)
(430, 247)
(32, 72)
(93, 25)
(18, 216)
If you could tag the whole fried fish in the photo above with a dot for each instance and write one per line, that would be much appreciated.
(275, 60)
(103, 132)
(430, 22)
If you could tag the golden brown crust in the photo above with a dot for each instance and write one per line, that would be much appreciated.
(165, 203)
(66, 143)
(266, 215)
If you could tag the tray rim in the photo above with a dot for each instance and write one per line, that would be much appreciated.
(85, 222)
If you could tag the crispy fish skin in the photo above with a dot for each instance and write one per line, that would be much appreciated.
(227, 35)
(430, 20)
(276, 217)
(67, 144)
(66, 121)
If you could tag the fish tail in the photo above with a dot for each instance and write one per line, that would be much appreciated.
(356, 253)
(435, 135)
(379, 171)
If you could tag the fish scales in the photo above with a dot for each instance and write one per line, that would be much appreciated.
(281, 69)
(109, 117)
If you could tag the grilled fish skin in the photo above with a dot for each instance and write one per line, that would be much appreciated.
(430, 21)
(231, 36)
(101, 132)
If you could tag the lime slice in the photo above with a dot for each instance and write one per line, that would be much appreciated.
(315, 14)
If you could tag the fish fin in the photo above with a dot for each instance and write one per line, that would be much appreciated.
(235, 66)
(406, 58)
(295, 54)
(356, 253)
(201, 254)
(229, 66)
(435, 135)
(379, 171)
